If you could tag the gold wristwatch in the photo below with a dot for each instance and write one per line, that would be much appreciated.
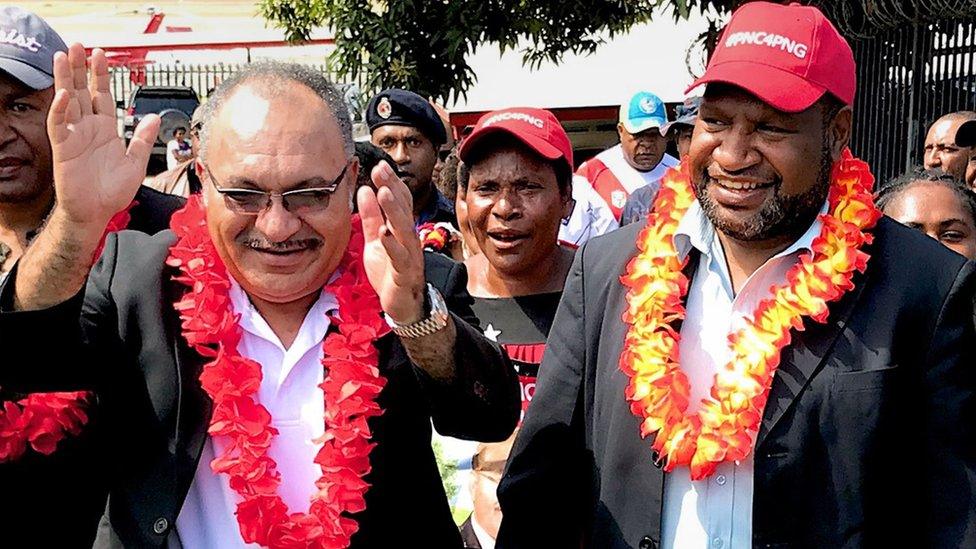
(435, 321)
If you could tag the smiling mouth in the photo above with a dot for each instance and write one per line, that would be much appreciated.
(507, 238)
(280, 252)
(741, 186)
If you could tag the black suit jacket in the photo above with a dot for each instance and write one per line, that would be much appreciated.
(867, 439)
(129, 349)
(67, 488)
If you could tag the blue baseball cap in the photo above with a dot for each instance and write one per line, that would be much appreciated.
(643, 111)
(27, 47)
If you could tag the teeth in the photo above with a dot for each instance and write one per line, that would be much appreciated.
(741, 186)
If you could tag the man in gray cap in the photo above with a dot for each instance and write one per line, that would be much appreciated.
(407, 127)
(50, 469)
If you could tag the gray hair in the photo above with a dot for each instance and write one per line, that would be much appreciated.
(275, 77)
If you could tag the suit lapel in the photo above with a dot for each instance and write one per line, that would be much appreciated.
(804, 357)
(194, 406)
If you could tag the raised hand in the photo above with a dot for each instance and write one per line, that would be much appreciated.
(393, 257)
(94, 175)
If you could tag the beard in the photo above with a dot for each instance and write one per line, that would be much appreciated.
(781, 216)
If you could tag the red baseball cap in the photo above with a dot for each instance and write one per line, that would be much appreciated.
(537, 128)
(788, 56)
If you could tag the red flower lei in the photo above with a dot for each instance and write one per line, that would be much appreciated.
(351, 387)
(42, 420)
(724, 429)
(435, 236)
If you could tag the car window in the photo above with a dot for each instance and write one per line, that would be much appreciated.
(156, 104)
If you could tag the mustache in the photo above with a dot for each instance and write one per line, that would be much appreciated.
(295, 245)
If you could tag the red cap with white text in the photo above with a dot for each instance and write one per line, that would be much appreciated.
(787, 56)
(537, 128)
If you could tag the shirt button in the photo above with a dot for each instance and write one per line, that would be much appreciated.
(720, 480)
(160, 525)
(717, 543)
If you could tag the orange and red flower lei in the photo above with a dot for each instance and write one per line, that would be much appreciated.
(42, 420)
(435, 236)
(725, 426)
(351, 387)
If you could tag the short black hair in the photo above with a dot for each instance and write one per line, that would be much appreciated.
(918, 174)
(447, 180)
(564, 174)
(369, 156)
(178, 129)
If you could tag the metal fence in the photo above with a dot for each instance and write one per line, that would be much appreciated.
(203, 79)
(908, 77)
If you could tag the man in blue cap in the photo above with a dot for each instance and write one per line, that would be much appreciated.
(680, 130)
(50, 465)
(615, 173)
(406, 126)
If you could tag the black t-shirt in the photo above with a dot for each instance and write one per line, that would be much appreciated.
(520, 325)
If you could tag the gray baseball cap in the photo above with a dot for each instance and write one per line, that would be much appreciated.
(686, 114)
(27, 47)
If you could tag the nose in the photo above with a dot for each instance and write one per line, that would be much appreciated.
(508, 206)
(932, 159)
(7, 132)
(400, 154)
(276, 223)
(736, 152)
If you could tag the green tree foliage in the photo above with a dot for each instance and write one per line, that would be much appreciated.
(421, 44)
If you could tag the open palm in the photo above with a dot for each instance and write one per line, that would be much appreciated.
(94, 175)
(393, 257)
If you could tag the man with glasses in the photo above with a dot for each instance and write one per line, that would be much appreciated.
(254, 392)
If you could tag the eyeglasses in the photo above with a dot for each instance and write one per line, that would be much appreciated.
(299, 201)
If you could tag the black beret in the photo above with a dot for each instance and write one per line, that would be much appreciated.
(395, 107)
(966, 134)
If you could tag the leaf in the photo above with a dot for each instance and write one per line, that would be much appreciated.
(421, 44)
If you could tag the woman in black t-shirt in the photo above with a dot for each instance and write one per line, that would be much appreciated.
(517, 192)
(516, 200)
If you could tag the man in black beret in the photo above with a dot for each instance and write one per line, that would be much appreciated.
(407, 127)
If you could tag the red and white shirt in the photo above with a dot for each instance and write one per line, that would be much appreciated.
(601, 187)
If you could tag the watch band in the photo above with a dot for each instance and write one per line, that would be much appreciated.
(436, 319)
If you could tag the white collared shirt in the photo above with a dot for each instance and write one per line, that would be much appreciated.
(591, 214)
(716, 512)
(290, 391)
(484, 539)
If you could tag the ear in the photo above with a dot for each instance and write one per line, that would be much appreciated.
(568, 207)
(622, 131)
(838, 132)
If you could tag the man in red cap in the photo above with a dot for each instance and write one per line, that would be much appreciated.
(757, 365)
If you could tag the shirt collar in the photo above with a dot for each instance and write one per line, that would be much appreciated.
(314, 325)
(695, 230)
(438, 203)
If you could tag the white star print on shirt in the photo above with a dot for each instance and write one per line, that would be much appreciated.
(491, 333)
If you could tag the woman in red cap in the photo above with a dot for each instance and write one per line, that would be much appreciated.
(516, 179)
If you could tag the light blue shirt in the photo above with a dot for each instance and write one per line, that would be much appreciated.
(716, 512)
